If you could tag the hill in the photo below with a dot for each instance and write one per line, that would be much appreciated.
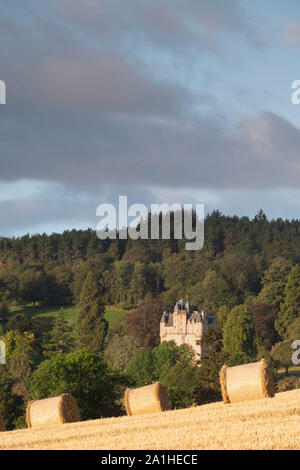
(261, 424)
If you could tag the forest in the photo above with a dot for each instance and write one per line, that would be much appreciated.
(247, 274)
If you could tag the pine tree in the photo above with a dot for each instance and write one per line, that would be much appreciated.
(61, 339)
(290, 308)
(92, 326)
(212, 358)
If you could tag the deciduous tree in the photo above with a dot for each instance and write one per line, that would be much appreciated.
(86, 377)
(290, 308)
(239, 334)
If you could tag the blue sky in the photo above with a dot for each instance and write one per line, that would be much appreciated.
(161, 100)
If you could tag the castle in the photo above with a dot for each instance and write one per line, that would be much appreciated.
(183, 326)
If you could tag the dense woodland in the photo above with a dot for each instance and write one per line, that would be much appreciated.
(247, 274)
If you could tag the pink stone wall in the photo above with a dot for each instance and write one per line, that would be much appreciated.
(184, 331)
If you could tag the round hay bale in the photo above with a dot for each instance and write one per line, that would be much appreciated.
(56, 410)
(246, 382)
(2, 425)
(148, 399)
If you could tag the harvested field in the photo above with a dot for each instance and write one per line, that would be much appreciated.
(269, 423)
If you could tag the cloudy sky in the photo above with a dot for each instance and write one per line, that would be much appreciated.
(161, 100)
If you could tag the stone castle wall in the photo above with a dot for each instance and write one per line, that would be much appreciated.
(185, 331)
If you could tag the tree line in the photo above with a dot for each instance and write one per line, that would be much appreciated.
(247, 274)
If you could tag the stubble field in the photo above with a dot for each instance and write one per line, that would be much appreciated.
(261, 424)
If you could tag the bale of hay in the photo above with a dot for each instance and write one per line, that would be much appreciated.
(148, 399)
(246, 382)
(56, 410)
(2, 425)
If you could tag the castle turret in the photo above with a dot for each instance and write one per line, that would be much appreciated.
(183, 326)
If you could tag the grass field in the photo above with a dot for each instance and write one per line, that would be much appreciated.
(261, 424)
(71, 312)
(112, 315)
(38, 311)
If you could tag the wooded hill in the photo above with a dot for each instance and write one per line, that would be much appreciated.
(247, 274)
(238, 257)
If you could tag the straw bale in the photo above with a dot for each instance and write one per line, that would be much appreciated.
(148, 399)
(246, 382)
(56, 410)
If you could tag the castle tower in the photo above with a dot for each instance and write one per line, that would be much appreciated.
(185, 327)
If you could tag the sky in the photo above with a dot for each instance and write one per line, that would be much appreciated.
(171, 101)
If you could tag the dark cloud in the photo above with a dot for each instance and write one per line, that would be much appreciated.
(86, 108)
(60, 72)
(108, 83)
(79, 114)
(85, 148)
